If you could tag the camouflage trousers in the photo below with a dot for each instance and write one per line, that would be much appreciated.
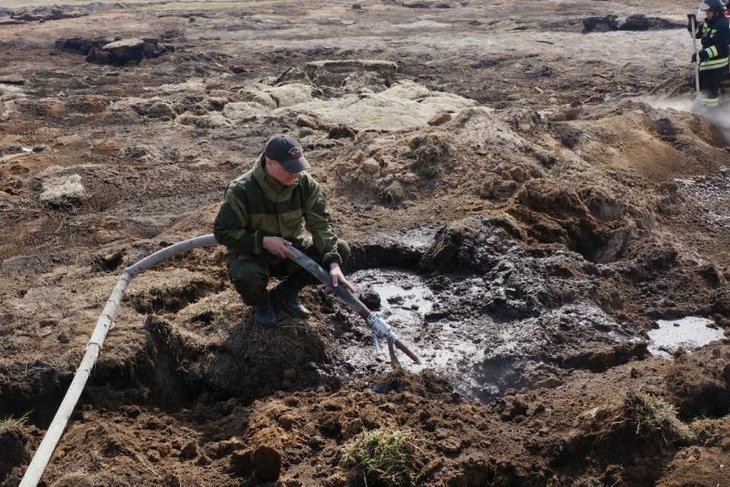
(250, 274)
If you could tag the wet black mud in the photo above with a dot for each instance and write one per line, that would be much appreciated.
(502, 318)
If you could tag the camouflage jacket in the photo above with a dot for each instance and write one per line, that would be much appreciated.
(256, 206)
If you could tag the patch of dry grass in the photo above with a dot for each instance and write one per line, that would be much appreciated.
(10, 422)
(654, 419)
(711, 431)
(384, 456)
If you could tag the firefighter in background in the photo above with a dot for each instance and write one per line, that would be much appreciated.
(714, 33)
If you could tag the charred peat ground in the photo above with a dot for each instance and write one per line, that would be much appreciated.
(525, 192)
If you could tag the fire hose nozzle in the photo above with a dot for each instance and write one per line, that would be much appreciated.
(381, 329)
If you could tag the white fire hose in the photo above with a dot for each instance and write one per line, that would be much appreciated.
(40, 460)
(42, 456)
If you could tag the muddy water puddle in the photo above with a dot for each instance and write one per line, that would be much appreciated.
(405, 304)
(687, 334)
(404, 300)
(451, 346)
(482, 357)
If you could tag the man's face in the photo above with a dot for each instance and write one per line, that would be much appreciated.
(709, 14)
(277, 172)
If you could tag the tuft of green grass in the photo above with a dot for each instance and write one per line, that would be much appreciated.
(386, 457)
(655, 419)
(10, 422)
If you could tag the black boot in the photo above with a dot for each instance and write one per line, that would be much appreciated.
(264, 314)
(286, 295)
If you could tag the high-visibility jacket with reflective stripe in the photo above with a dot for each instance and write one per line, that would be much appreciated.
(715, 35)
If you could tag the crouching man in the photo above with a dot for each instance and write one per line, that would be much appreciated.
(264, 213)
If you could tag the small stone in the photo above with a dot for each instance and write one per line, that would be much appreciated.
(266, 462)
(394, 194)
(286, 421)
(190, 450)
(451, 446)
(124, 44)
(341, 132)
(307, 121)
(370, 166)
(352, 429)
(408, 178)
(371, 299)
(11, 80)
(439, 119)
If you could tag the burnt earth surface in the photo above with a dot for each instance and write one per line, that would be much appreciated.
(525, 189)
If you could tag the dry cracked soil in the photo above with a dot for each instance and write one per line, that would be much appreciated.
(532, 205)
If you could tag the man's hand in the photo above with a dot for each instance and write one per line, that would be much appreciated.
(278, 246)
(702, 55)
(339, 278)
